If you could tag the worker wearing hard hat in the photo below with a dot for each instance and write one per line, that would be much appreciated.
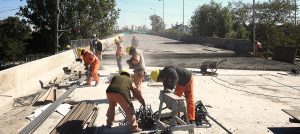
(137, 63)
(119, 53)
(92, 61)
(134, 42)
(118, 91)
(181, 79)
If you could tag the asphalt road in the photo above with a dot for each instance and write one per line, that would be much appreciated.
(160, 51)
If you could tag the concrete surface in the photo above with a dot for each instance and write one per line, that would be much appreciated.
(244, 101)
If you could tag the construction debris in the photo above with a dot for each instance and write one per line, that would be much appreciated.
(47, 97)
(37, 112)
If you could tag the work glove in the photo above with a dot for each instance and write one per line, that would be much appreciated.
(143, 103)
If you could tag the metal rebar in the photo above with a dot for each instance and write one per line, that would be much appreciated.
(33, 125)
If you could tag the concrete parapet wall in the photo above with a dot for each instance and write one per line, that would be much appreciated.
(236, 45)
(109, 42)
(27, 76)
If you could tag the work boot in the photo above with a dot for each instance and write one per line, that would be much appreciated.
(192, 121)
(108, 126)
(136, 130)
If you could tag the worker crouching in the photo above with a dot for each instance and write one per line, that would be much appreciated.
(92, 62)
(181, 79)
(119, 92)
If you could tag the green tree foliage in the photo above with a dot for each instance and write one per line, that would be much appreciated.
(212, 20)
(157, 23)
(81, 17)
(13, 33)
(274, 19)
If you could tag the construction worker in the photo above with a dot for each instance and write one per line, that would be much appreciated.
(98, 49)
(134, 42)
(118, 91)
(181, 79)
(119, 54)
(91, 61)
(137, 63)
(93, 43)
(259, 49)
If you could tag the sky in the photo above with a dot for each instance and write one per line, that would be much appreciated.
(137, 12)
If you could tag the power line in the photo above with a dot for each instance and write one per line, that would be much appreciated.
(9, 10)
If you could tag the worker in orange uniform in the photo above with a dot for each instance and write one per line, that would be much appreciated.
(91, 61)
(137, 63)
(182, 80)
(118, 91)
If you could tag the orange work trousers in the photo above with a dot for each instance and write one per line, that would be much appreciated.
(138, 78)
(94, 72)
(113, 99)
(188, 91)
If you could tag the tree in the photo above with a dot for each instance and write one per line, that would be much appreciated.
(157, 24)
(13, 33)
(81, 17)
(212, 20)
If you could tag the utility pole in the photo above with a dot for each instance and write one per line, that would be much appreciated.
(295, 12)
(253, 21)
(57, 27)
(183, 15)
(163, 10)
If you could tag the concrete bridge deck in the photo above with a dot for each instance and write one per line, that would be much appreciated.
(244, 101)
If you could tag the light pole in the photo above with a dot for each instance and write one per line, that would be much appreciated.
(163, 10)
(253, 29)
(56, 27)
(183, 15)
(295, 12)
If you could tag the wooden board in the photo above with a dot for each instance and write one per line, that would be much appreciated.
(294, 113)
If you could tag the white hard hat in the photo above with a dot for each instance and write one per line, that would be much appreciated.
(94, 35)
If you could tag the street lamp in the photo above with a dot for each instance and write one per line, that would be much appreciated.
(163, 9)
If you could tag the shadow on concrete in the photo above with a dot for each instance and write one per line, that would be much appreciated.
(285, 130)
(99, 101)
(176, 42)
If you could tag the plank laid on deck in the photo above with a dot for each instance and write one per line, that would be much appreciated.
(294, 113)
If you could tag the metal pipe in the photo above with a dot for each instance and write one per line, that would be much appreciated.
(219, 124)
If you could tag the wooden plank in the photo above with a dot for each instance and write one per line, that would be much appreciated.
(50, 97)
(174, 96)
(43, 97)
(182, 128)
(294, 113)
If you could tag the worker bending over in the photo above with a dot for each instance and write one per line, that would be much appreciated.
(180, 79)
(119, 92)
(91, 61)
(137, 63)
